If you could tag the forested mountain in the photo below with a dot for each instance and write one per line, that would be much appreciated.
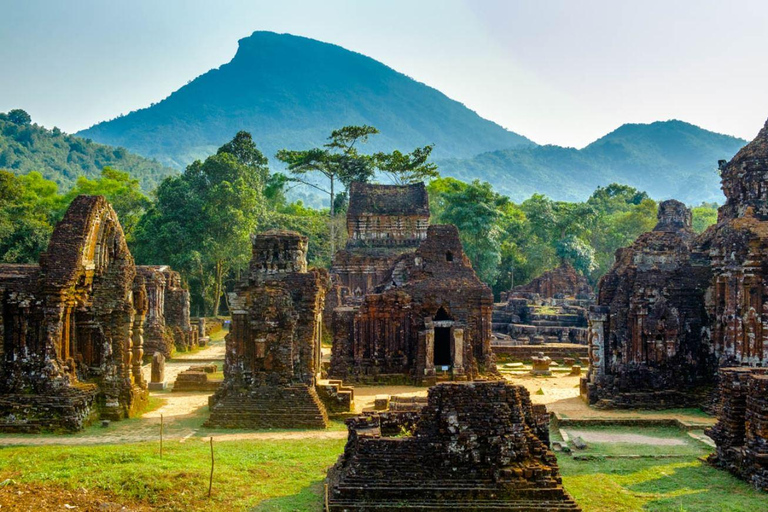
(291, 92)
(62, 158)
(668, 159)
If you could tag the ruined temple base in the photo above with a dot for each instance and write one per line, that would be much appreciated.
(70, 410)
(128, 407)
(263, 407)
(475, 446)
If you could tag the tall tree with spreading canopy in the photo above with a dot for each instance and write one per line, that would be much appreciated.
(338, 161)
(408, 168)
(202, 220)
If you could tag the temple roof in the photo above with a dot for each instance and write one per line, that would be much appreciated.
(375, 199)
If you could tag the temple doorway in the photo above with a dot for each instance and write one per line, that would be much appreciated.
(443, 346)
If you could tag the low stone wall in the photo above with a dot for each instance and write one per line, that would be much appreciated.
(557, 352)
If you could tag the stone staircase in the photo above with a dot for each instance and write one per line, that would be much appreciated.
(264, 407)
(338, 398)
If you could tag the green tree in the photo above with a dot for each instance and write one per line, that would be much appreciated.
(704, 216)
(202, 220)
(122, 192)
(19, 116)
(25, 225)
(338, 161)
(477, 211)
(404, 169)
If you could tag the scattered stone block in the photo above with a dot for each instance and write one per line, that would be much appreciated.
(381, 403)
(579, 443)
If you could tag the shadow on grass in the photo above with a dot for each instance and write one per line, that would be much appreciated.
(309, 499)
(700, 487)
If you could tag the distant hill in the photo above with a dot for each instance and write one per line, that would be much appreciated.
(290, 92)
(63, 158)
(666, 159)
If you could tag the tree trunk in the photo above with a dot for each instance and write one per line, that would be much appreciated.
(218, 287)
(333, 223)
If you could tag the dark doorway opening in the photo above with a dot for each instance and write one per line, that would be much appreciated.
(443, 346)
(442, 314)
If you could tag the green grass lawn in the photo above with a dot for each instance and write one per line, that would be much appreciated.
(684, 483)
(288, 475)
(265, 475)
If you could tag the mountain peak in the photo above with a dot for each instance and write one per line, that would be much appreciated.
(291, 92)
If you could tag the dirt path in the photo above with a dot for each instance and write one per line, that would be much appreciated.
(184, 413)
(596, 436)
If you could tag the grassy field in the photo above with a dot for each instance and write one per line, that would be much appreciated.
(248, 475)
(287, 475)
(675, 481)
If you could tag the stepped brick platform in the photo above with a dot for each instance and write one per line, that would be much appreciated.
(70, 410)
(556, 351)
(476, 446)
(264, 407)
(195, 379)
(741, 433)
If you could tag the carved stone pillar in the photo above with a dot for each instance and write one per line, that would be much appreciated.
(458, 351)
(598, 316)
(429, 349)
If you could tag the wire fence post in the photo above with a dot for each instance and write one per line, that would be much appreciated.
(161, 436)
(210, 481)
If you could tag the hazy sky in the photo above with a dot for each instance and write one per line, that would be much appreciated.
(561, 72)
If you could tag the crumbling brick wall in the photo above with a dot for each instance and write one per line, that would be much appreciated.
(273, 348)
(430, 300)
(72, 326)
(167, 327)
(559, 282)
(741, 433)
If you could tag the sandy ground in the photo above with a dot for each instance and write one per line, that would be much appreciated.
(183, 413)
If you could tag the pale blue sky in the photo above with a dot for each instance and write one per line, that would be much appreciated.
(562, 72)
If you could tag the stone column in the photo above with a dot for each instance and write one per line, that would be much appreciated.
(598, 316)
(429, 349)
(458, 351)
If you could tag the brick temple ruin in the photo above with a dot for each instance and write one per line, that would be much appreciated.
(430, 317)
(72, 327)
(646, 334)
(549, 314)
(675, 307)
(167, 326)
(561, 282)
(741, 433)
(273, 354)
(475, 446)
(383, 223)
